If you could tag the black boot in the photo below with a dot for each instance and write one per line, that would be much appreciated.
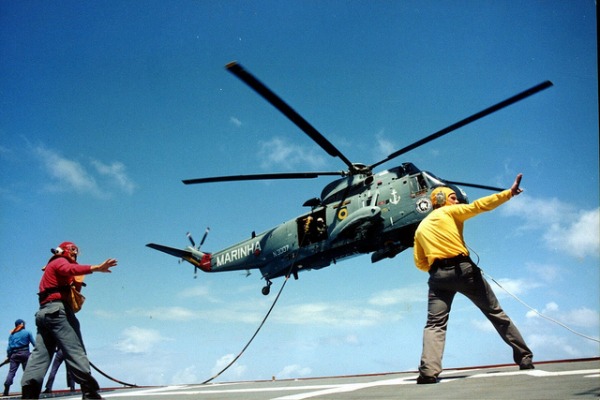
(31, 391)
(92, 395)
(6, 387)
(90, 389)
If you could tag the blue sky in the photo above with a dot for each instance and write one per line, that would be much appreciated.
(108, 105)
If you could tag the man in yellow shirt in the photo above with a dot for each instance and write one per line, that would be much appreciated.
(440, 249)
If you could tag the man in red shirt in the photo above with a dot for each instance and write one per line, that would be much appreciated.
(57, 325)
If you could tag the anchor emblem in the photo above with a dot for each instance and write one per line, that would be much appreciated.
(395, 198)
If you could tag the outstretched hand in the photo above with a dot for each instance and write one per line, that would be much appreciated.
(515, 189)
(105, 266)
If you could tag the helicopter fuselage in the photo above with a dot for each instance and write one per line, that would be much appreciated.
(359, 214)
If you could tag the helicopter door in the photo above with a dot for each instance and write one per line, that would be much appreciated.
(312, 228)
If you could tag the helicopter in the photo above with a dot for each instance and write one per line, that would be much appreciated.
(362, 212)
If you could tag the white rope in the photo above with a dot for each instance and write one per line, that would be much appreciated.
(539, 313)
(533, 309)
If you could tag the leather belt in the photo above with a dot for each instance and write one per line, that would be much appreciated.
(450, 262)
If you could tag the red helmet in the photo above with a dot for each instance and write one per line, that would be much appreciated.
(66, 249)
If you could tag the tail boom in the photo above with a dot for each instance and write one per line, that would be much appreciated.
(191, 255)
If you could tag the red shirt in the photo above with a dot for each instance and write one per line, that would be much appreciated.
(59, 273)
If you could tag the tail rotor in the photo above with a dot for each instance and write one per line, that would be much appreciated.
(191, 239)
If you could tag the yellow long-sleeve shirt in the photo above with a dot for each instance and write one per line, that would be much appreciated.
(440, 234)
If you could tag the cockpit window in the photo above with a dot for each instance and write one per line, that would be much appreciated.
(418, 184)
(433, 180)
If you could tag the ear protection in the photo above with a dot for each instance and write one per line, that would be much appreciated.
(440, 198)
(66, 249)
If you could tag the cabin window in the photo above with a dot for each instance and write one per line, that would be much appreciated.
(312, 228)
(418, 185)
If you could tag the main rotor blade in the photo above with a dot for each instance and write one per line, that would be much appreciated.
(474, 185)
(288, 111)
(468, 120)
(256, 177)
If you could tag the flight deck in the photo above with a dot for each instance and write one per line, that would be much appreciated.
(567, 379)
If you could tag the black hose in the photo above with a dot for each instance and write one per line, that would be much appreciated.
(257, 330)
(111, 378)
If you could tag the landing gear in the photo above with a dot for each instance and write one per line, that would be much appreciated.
(267, 289)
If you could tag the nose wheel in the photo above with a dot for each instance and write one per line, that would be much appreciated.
(267, 289)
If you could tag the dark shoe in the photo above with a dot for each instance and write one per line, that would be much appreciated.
(425, 380)
(47, 391)
(31, 391)
(92, 395)
(526, 365)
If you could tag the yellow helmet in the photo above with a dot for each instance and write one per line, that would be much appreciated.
(439, 196)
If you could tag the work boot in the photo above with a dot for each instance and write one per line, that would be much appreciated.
(426, 380)
(526, 363)
(91, 395)
(90, 390)
(31, 391)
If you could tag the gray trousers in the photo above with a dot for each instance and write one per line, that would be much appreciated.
(462, 277)
(58, 359)
(57, 326)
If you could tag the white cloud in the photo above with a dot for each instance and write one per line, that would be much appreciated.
(116, 174)
(582, 317)
(565, 228)
(323, 313)
(407, 295)
(552, 306)
(202, 292)
(244, 313)
(483, 325)
(293, 371)
(67, 174)
(138, 340)
(235, 121)
(552, 273)
(331, 314)
(384, 146)
(580, 236)
(554, 346)
(167, 313)
(235, 371)
(343, 340)
(279, 153)
(185, 376)
(513, 286)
